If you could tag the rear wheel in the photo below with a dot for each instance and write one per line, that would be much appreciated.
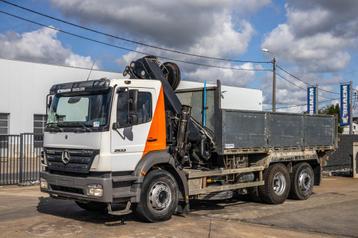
(302, 181)
(159, 196)
(277, 184)
(93, 206)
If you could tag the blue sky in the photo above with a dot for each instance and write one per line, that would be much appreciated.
(301, 34)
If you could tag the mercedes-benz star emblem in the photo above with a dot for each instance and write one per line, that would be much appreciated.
(66, 157)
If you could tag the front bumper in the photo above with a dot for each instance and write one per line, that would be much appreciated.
(75, 188)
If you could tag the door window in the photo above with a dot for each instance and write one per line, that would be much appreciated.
(143, 109)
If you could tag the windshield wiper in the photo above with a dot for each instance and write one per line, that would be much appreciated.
(54, 126)
(82, 124)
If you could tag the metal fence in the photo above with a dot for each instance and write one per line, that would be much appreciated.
(341, 159)
(20, 157)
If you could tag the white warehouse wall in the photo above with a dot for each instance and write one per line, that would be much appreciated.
(24, 86)
(236, 98)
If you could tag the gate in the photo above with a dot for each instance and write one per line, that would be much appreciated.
(20, 158)
(341, 159)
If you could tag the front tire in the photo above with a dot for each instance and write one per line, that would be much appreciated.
(277, 184)
(159, 197)
(302, 181)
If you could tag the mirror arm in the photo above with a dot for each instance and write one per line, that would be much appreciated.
(115, 127)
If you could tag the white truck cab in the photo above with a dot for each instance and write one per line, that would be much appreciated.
(91, 132)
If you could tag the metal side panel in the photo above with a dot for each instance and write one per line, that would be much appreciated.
(285, 130)
(243, 129)
(319, 131)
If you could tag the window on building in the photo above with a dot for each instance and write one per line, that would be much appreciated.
(4, 123)
(39, 123)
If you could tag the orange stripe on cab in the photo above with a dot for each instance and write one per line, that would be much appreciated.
(157, 133)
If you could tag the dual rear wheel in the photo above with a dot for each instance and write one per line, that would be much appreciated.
(280, 184)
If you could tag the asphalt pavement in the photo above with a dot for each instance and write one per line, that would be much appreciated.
(332, 211)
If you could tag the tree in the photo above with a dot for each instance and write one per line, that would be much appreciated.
(333, 110)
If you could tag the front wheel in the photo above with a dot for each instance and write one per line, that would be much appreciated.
(159, 196)
(302, 181)
(277, 184)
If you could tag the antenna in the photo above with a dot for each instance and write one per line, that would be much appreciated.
(89, 74)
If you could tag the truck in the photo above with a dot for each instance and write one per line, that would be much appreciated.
(140, 144)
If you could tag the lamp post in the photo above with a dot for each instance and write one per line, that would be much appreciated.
(273, 79)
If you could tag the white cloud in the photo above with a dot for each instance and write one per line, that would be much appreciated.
(318, 36)
(206, 27)
(227, 77)
(224, 40)
(40, 46)
(178, 24)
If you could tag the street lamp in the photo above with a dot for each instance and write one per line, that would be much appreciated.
(273, 79)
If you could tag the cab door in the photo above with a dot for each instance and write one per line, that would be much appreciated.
(134, 113)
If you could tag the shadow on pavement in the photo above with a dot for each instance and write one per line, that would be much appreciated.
(69, 209)
(196, 205)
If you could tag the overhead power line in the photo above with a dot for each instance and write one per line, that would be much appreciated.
(299, 79)
(301, 105)
(133, 41)
(282, 77)
(293, 76)
(128, 49)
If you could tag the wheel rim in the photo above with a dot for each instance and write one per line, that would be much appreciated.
(279, 183)
(160, 196)
(305, 181)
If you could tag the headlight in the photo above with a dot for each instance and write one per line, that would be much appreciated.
(95, 190)
(43, 183)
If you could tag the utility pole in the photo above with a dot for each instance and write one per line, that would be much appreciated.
(273, 84)
(350, 108)
(317, 104)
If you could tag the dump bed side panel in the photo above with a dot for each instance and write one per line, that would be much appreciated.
(243, 129)
(285, 130)
(320, 131)
(261, 131)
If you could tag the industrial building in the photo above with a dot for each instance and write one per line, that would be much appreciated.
(24, 86)
(23, 90)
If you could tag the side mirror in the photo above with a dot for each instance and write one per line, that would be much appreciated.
(116, 125)
(121, 90)
(127, 108)
(133, 119)
(133, 100)
(48, 102)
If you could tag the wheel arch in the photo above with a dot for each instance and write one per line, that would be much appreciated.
(161, 160)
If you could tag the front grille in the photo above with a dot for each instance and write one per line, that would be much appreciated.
(78, 161)
(66, 189)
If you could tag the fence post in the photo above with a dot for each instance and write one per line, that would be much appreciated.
(355, 158)
(21, 167)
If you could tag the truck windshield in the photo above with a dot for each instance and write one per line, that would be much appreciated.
(84, 111)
